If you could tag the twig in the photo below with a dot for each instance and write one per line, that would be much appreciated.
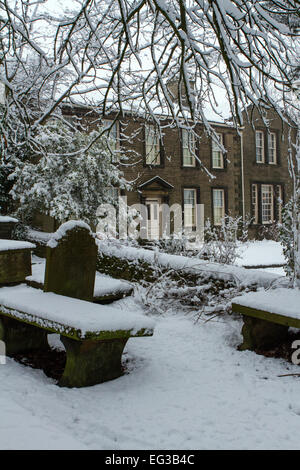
(288, 375)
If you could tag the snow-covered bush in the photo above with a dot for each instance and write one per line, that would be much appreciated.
(13, 147)
(289, 237)
(173, 291)
(270, 232)
(221, 243)
(175, 244)
(5, 186)
(69, 179)
(20, 232)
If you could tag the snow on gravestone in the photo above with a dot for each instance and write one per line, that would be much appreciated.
(71, 261)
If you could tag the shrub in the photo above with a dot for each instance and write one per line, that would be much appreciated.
(221, 242)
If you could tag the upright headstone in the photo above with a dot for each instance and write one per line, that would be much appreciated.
(7, 226)
(71, 261)
(15, 260)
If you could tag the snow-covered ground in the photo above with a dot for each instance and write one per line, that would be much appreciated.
(187, 387)
(278, 271)
(260, 253)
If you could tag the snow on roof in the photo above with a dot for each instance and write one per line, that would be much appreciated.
(7, 245)
(62, 313)
(281, 301)
(218, 113)
(242, 276)
(64, 228)
(218, 116)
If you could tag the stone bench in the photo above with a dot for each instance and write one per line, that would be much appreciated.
(267, 316)
(94, 335)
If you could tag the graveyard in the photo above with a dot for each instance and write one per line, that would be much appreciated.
(130, 380)
(149, 227)
(185, 387)
(94, 337)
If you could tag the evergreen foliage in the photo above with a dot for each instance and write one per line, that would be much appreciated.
(69, 179)
(289, 237)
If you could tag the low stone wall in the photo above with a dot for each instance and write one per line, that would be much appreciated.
(122, 268)
(135, 265)
(139, 271)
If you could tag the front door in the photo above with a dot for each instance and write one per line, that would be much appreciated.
(153, 218)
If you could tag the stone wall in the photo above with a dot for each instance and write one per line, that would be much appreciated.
(136, 265)
(122, 268)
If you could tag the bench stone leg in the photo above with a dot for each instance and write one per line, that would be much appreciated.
(261, 334)
(21, 337)
(91, 362)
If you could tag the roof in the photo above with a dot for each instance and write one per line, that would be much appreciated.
(159, 180)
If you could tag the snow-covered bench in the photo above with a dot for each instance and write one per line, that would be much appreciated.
(94, 335)
(267, 316)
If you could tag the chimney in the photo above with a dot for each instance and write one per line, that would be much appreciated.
(174, 91)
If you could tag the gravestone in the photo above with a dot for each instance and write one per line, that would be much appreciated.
(7, 225)
(15, 261)
(71, 261)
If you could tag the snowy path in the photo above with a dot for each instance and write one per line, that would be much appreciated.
(188, 388)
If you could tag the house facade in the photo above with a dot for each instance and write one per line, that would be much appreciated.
(173, 167)
(266, 170)
(169, 172)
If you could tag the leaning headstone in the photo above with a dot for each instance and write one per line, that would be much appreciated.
(71, 261)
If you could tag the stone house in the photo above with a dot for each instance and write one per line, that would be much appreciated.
(266, 179)
(251, 178)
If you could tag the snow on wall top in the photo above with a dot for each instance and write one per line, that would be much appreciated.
(245, 277)
(282, 301)
(7, 245)
(64, 228)
(7, 218)
(53, 310)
